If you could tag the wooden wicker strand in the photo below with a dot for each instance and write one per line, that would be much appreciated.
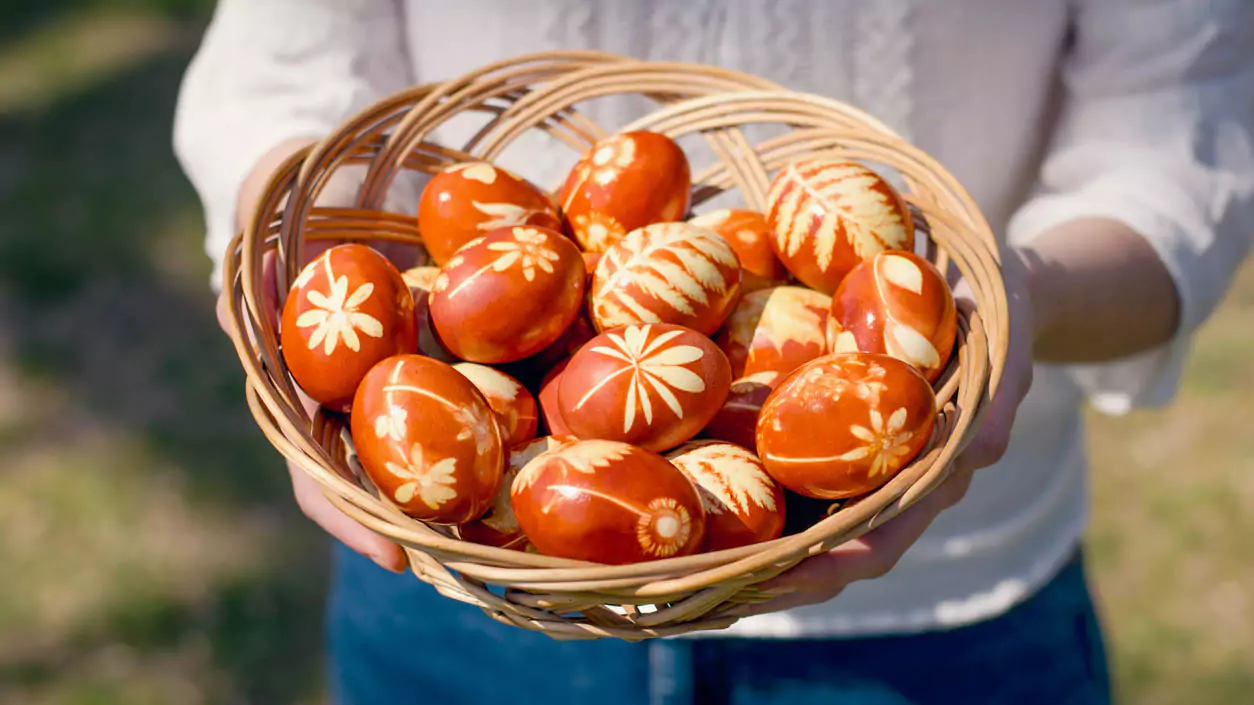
(563, 598)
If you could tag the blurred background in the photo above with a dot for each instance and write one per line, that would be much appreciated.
(149, 546)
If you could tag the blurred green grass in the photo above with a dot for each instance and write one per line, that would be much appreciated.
(151, 549)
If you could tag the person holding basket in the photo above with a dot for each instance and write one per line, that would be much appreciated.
(1109, 144)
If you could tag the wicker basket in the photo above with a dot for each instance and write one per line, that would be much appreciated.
(565, 598)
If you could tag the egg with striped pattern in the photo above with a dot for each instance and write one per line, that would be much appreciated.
(828, 216)
(666, 273)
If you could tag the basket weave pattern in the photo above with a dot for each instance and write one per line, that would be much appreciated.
(566, 598)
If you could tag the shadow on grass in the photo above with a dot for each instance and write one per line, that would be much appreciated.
(104, 293)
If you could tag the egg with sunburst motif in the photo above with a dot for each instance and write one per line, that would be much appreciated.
(828, 216)
(652, 385)
(607, 502)
(666, 273)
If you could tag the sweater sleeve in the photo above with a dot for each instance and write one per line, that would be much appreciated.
(1155, 132)
(272, 70)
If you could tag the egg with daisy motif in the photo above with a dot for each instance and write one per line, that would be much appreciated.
(652, 385)
(348, 309)
(828, 216)
(607, 502)
(468, 200)
(514, 406)
(428, 439)
(750, 235)
(845, 424)
(896, 303)
(625, 182)
(743, 504)
(539, 272)
(666, 273)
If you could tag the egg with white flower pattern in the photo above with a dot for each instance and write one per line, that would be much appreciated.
(348, 309)
(468, 200)
(844, 424)
(428, 439)
(743, 504)
(625, 182)
(508, 295)
(607, 502)
(499, 527)
(653, 385)
(896, 303)
(514, 406)
(828, 216)
(775, 331)
(666, 273)
(750, 235)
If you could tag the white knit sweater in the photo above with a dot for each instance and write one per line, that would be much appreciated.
(1148, 122)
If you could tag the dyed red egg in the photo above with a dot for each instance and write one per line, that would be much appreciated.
(828, 216)
(750, 235)
(514, 406)
(625, 182)
(508, 295)
(666, 273)
(607, 502)
(466, 201)
(348, 309)
(654, 386)
(428, 439)
(737, 420)
(896, 303)
(499, 527)
(775, 331)
(743, 504)
(421, 280)
(842, 425)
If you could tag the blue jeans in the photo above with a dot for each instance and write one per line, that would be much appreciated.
(394, 641)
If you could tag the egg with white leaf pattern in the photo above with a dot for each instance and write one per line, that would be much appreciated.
(743, 504)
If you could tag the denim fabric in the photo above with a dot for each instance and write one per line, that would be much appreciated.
(395, 641)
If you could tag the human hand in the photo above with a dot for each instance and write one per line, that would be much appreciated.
(822, 577)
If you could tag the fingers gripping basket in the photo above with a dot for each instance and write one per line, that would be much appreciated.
(565, 598)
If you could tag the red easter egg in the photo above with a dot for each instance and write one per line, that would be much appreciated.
(750, 235)
(514, 406)
(654, 386)
(550, 410)
(737, 420)
(775, 330)
(743, 504)
(842, 425)
(899, 304)
(666, 273)
(466, 201)
(625, 182)
(829, 215)
(348, 309)
(539, 365)
(499, 527)
(428, 439)
(421, 280)
(607, 502)
(508, 295)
